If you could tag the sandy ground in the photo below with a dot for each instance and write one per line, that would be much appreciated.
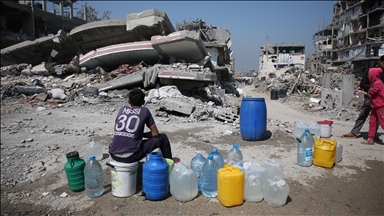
(33, 176)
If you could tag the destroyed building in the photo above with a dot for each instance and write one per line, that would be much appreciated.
(27, 20)
(353, 40)
(194, 52)
(278, 56)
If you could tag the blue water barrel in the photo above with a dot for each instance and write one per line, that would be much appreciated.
(253, 119)
(155, 177)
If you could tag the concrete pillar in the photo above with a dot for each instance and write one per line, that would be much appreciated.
(326, 80)
(85, 13)
(348, 88)
(61, 8)
(44, 5)
(71, 11)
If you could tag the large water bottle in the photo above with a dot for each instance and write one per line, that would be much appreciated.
(253, 186)
(218, 157)
(260, 170)
(209, 175)
(304, 149)
(155, 177)
(300, 127)
(276, 191)
(315, 129)
(94, 148)
(196, 165)
(183, 183)
(273, 168)
(235, 157)
(74, 169)
(93, 178)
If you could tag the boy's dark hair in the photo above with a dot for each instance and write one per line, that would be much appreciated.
(136, 96)
(382, 58)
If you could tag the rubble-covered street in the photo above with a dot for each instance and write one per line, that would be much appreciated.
(36, 135)
(61, 91)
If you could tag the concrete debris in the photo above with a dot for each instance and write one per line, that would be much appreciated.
(58, 93)
(227, 115)
(176, 105)
(30, 90)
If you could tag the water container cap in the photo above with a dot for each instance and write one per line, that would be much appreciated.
(210, 157)
(328, 122)
(236, 145)
(252, 177)
(73, 154)
(92, 157)
(307, 130)
(214, 150)
(281, 183)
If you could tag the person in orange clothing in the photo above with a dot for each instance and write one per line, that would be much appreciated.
(376, 99)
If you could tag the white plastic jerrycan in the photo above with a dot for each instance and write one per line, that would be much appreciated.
(276, 191)
(183, 183)
(94, 148)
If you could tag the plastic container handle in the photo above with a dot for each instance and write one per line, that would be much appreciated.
(110, 165)
(72, 163)
(147, 157)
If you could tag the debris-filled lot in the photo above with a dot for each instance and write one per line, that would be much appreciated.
(52, 108)
(36, 135)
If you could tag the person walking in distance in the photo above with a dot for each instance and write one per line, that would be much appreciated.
(366, 108)
(376, 97)
(128, 145)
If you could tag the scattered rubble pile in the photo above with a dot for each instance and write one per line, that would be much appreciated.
(303, 91)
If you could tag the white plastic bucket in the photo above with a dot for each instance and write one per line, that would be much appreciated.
(325, 128)
(123, 178)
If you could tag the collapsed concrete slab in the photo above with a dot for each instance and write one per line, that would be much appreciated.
(123, 82)
(184, 45)
(197, 76)
(111, 57)
(150, 18)
(88, 37)
(176, 105)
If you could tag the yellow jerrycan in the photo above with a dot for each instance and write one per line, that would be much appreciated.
(230, 186)
(324, 152)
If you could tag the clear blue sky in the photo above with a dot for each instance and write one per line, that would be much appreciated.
(249, 22)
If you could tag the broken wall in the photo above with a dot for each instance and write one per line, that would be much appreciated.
(337, 98)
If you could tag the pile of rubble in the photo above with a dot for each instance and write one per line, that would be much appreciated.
(302, 91)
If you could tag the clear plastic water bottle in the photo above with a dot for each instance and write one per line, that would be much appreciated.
(209, 175)
(300, 126)
(312, 139)
(315, 129)
(183, 183)
(276, 191)
(273, 168)
(93, 178)
(235, 156)
(304, 149)
(196, 165)
(260, 170)
(253, 186)
(93, 148)
(217, 157)
(339, 153)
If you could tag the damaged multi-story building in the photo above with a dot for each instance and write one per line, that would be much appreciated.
(275, 57)
(27, 20)
(354, 40)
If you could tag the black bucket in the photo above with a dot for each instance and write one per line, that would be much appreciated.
(274, 94)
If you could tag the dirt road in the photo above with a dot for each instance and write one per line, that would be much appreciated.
(33, 178)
